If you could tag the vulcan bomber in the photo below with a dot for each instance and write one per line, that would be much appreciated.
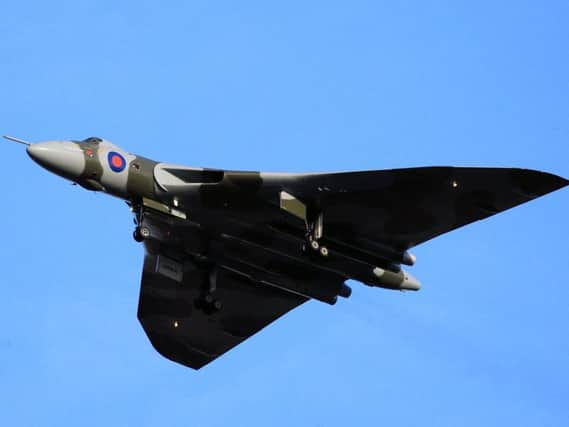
(229, 252)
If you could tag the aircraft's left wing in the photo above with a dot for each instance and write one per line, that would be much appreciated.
(185, 328)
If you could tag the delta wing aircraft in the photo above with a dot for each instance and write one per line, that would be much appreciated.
(228, 252)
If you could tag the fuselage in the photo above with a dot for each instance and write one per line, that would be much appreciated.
(218, 201)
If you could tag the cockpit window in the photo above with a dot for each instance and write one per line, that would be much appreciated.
(93, 140)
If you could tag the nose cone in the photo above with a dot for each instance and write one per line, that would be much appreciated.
(63, 158)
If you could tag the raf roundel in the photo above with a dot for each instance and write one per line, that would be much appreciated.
(116, 162)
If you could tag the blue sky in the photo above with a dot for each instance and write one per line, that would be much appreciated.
(293, 86)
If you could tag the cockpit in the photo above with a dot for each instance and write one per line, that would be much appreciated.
(92, 140)
(97, 144)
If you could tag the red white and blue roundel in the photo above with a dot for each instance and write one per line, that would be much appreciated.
(116, 162)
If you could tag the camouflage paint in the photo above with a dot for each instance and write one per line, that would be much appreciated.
(226, 239)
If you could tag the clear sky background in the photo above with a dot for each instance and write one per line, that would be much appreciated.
(288, 86)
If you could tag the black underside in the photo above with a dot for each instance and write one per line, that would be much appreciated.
(236, 265)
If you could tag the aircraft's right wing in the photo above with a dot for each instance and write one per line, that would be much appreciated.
(404, 207)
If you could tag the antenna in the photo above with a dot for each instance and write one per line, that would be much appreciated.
(18, 140)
